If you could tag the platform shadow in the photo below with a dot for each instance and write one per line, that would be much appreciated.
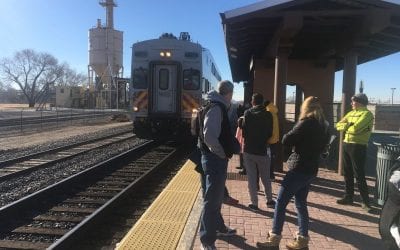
(237, 241)
(261, 212)
(339, 233)
(342, 211)
(334, 188)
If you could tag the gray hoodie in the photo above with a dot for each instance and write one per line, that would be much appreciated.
(212, 124)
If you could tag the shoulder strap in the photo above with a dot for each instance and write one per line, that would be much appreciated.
(203, 111)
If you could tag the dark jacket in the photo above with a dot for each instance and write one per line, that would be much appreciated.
(308, 139)
(226, 139)
(211, 125)
(257, 129)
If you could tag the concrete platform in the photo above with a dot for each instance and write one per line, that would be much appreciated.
(332, 226)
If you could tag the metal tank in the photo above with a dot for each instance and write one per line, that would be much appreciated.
(105, 52)
(105, 56)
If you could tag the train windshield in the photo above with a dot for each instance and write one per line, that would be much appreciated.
(191, 79)
(140, 78)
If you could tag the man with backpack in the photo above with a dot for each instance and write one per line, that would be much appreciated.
(217, 145)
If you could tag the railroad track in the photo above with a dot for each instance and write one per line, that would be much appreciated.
(50, 117)
(28, 163)
(60, 215)
(45, 120)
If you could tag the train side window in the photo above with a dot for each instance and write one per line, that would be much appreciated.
(192, 55)
(191, 79)
(140, 78)
(163, 75)
(141, 53)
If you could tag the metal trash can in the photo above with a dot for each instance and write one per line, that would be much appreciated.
(387, 154)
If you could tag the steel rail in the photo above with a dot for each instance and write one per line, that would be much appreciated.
(14, 171)
(14, 215)
(32, 155)
(77, 233)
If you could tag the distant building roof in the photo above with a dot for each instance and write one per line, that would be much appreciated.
(310, 29)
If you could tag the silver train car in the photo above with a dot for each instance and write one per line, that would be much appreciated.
(170, 77)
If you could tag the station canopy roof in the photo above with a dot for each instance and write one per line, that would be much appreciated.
(310, 29)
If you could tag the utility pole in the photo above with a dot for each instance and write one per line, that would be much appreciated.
(361, 89)
(393, 89)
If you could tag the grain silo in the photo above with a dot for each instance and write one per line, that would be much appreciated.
(105, 58)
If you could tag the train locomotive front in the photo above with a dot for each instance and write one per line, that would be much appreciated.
(168, 82)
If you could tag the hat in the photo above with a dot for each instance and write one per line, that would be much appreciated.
(360, 98)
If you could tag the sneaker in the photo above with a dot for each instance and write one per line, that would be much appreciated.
(253, 207)
(345, 201)
(271, 204)
(366, 207)
(226, 232)
(231, 201)
(272, 241)
(299, 242)
(207, 247)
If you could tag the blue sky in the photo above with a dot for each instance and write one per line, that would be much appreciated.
(60, 27)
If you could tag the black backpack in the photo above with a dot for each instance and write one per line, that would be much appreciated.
(196, 119)
(231, 147)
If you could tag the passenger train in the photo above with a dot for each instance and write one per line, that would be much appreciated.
(170, 78)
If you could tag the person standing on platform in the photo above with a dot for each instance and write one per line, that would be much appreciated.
(389, 221)
(257, 129)
(274, 139)
(357, 127)
(217, 145)
(308, 138)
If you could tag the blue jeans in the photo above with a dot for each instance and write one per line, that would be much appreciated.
(294, 184)
(215, 175)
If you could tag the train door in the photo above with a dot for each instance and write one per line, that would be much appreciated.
(164, 89)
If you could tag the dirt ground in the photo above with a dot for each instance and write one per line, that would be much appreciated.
(21, 141)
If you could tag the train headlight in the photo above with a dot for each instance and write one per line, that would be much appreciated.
(135, 109)
(165, 53)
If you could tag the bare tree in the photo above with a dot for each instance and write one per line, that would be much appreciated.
(71, 77)
(33, 72)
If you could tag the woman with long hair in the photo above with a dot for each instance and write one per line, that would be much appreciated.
(307, 139)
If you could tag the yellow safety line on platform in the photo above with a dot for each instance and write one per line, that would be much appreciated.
(161, 226)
